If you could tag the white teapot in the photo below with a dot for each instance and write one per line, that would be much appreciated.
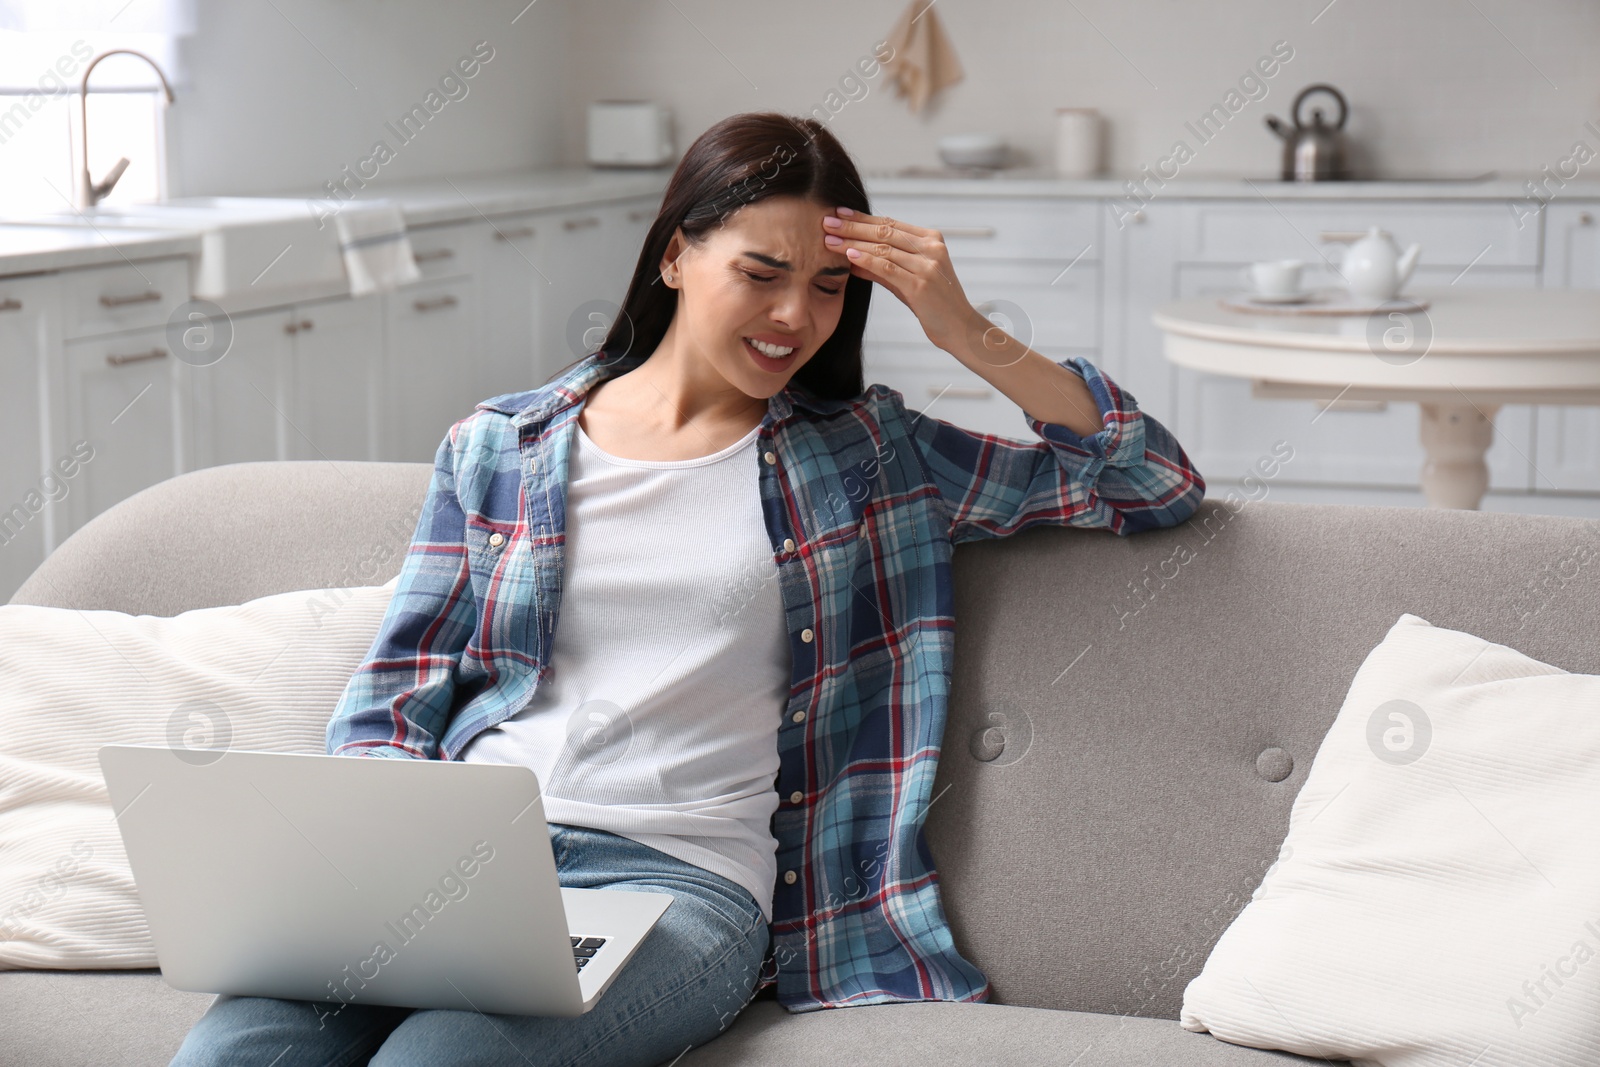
(1374, 267)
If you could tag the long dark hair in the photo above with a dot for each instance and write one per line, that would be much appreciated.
(741, 160)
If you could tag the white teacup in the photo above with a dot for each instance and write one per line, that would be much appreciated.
(1277, 277)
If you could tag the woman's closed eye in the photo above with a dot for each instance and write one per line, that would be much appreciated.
(774, 277)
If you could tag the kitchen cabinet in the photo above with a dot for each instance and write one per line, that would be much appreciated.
(112, 381)
(549, 284)
(512, 288)
(122, 395)
(1032, 266)
(507, 300)
(430, 376)
(1141, 262)
(31, 485)
(123, 296)
(295, 383)
(235, 398)
(1567, 450)
(589, 262)
(333, 385)
(443, 250)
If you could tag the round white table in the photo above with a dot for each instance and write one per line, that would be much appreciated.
(1464, 355)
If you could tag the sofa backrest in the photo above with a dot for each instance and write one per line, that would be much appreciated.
(1130, 718)
(231, 533)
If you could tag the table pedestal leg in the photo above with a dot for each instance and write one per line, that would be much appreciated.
(1456, 437)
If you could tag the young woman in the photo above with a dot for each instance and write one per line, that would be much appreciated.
(749, 555)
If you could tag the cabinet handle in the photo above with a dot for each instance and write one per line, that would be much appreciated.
(291, 328)
(136, 357)
(968, 231)
(9, 304)
(962, 392)
(640, 215)
(434, 305)
(1342, 236)
(306, 324)
(146, 297)
(433, 254)
(1585, 218)
(507, 235)
(583, 223)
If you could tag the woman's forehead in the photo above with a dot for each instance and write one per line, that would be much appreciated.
(790, 231)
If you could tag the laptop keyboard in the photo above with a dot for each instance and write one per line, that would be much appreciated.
(584, 948)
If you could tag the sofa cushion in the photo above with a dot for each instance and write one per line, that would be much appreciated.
(1435, 899)
(74, 1018)
(262, 676)
(916, 1035)
(134, 1019)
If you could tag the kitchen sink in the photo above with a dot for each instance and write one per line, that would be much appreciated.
(248, 245)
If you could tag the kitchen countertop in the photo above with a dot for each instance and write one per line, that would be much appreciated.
(30, 249)
(1039, 181)
(26, 248)
(472, 196)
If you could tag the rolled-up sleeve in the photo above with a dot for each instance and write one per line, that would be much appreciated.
(399, 700)
(1131, 475)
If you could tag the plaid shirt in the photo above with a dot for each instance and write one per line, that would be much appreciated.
(863, 502)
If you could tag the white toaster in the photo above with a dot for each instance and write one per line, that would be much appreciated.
(629, 133)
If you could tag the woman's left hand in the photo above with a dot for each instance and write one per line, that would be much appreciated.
(913, 264)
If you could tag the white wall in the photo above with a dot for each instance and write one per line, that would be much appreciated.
(281, 96)
(1434, 84)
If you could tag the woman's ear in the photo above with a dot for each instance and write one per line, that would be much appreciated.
(670, 273)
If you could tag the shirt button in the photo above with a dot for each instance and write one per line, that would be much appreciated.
(861, 531)
(796, 797)
(788, 544)
(807, 636)
(798, 716)
(497, 539)
(769, 457)
(790, 877)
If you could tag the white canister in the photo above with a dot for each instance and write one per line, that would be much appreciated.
(1077, 142)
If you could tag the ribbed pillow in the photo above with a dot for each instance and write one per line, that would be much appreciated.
(1436, 902)
(264, 675)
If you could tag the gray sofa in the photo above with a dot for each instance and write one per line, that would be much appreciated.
(1131, 720)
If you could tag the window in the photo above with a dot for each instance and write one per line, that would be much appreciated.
(45, 45)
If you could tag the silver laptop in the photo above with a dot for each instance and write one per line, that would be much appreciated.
(343, 880)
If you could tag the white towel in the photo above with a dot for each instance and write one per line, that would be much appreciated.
(377, 252)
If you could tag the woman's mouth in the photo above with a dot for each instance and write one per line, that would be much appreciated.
(769, 357)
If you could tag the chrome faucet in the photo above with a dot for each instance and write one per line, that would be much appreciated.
(90, 194)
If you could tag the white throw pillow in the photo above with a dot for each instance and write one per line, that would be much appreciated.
(264, 675)
(1437, 899)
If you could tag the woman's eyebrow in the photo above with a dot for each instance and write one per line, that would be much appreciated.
(784, 264)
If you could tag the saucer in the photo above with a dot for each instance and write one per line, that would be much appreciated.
(1281, 298)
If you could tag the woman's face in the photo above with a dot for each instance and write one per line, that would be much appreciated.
(763, 276)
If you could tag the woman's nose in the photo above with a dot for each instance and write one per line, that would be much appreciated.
(790, 307)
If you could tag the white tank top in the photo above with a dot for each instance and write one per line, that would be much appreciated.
(671, 664)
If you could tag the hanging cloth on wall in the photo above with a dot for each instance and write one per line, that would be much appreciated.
(924, 60)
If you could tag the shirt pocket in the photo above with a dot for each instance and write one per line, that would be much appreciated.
(491, 549)
(501, 569)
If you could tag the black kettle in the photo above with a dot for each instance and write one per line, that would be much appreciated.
(1316, 152)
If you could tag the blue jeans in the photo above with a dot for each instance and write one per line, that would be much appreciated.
(694, 972)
